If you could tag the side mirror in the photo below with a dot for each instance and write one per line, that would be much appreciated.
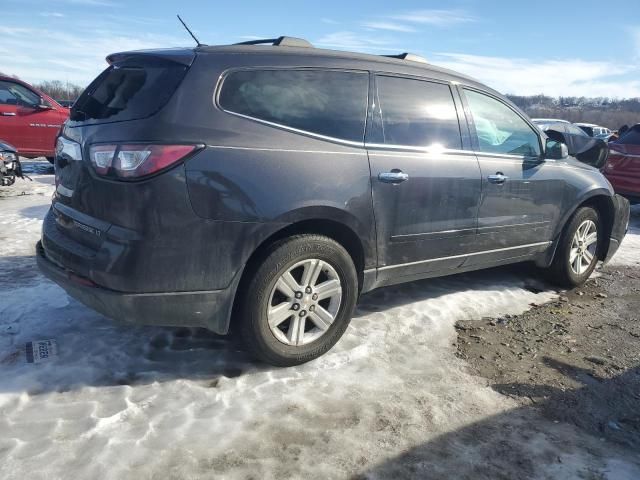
(43, 105)
(555, 150)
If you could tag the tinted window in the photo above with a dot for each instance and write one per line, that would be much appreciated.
(500, 129)
(417, 113)
(15, 94)
(325, 102)
(129, 90)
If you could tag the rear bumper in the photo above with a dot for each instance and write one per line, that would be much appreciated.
(210, 309)
(620, 225)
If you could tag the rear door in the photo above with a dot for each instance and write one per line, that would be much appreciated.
(426, 188)
(522, 194)
(623, 165)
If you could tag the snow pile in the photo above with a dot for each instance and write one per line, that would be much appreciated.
(121, 401)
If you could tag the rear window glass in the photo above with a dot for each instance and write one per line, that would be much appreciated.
(418, 113)
(129, 90)
(326, 102)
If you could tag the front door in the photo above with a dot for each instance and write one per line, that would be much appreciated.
(426, 188)
(13, 126)
(522, 194)
(23, 123)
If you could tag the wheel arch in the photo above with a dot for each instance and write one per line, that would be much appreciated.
(600, 200)
(339, 231)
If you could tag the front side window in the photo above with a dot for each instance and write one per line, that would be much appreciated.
(15, 94)
(499, 129)
(418, 113)
(325, 102)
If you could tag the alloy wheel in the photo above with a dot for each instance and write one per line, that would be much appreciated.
(583, 247)
(304, 302)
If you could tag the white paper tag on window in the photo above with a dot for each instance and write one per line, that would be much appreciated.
(40, 351)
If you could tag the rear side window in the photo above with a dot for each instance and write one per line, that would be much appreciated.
(417, 113)
(499, 129)
(130, 90)
(325, 102)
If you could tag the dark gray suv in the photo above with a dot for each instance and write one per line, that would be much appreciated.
(263, 187)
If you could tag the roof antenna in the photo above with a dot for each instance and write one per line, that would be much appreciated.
(190, 32)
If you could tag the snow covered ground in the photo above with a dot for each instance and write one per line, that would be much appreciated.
(142, 402)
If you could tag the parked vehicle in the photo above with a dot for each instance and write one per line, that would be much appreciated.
(595, 131)
(589, 150)
(10, 167)
(262, 188)
(65, 103)
(29, 119)
(544, 122)
(623, 166)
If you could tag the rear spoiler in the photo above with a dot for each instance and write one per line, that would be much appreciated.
(182, 56)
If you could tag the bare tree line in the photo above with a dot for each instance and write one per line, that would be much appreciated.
(611, 113)
(59, 90)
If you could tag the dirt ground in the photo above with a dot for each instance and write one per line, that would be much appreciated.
(577, 360)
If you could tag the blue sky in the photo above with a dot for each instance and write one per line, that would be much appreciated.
(570, 47)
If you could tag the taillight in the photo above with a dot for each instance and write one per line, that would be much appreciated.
(614, 157)
(131, 161)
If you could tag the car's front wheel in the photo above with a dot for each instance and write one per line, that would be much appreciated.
(577, 253)
(299, 300)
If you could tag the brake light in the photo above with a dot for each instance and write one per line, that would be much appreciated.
(130, 161)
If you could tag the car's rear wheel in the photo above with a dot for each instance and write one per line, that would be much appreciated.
(577, 253)
(299, 301)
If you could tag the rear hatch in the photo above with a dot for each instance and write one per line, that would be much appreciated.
(115, 109)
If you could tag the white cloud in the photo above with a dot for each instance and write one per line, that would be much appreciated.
(438, 18)
(571, 77)
(76, 56)
(391, 26)
(407, 22)
(353, 41)
(52, 14)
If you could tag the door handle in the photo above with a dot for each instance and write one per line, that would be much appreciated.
(8, 114)
(499, 178)
(394, 176)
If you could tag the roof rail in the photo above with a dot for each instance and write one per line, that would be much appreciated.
(408, 56)
(280, 42)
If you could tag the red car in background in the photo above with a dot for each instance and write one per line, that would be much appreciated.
(29, 119)
(623, 165)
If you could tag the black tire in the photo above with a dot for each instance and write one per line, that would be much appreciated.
(560, 272)
(281, 256)
(51, 160)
